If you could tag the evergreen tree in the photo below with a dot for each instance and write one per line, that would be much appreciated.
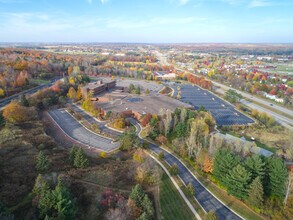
(43, 162)
(256, 193)
(80, 160)
(224, 161)
(181, 129)
(40, 185)
(64, 204)
(277, 177)
(137, 195)
(46, 198)
(127, 140)
(23, 101)
(237, 181)
(256, 166)
(147, 207)
(72, 154)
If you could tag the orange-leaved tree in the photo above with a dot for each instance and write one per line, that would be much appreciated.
(15, 113)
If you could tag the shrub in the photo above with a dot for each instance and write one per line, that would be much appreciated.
(161, 155)
(174, 170)
(103, 154)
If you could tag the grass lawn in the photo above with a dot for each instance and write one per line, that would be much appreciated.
(40, 81)
(172, 204)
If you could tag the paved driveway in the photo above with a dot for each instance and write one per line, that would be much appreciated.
(75, 130)
(203, 196)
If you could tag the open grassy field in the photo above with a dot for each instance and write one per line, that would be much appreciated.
(172, 204)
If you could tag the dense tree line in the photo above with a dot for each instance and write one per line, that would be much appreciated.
(187, 130)
(53, 203)
(254, 179)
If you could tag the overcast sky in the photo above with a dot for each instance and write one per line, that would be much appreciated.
(147, 21)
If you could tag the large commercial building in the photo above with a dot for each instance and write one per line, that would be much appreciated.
(97, 87)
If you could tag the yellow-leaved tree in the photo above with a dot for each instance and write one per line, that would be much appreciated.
(15, 113)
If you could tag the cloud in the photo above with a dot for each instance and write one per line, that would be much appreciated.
(104, 1)
(234, 2)
(183, 2)
(259, 3)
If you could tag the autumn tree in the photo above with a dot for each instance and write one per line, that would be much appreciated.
(2, 93)
(15, 113)
(168, 122)
(208, 165)
(197, 137)
(72, 93)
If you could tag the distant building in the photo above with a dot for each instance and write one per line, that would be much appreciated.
(163, 75)
(97, 87)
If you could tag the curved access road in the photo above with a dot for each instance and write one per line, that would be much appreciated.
(71, 127)
(203, 196)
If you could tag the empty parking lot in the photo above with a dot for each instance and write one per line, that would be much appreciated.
(223, 112)
(76, 131)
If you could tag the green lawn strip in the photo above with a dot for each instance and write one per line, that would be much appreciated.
(39, 81)
(264, 146)
(172, 204)
(233, 203)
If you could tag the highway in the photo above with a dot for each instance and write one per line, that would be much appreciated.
(256, 99)
(6, 101)
(76, 131)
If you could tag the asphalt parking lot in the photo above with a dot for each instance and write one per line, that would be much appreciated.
(223, 112)
(76, 131)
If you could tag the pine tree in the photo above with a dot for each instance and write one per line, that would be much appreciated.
(72, 154)
(256, 166)
(278, 174)
(64, 204)
(137, 194)
(224, 161)
(256, 193)
(43, 162)
(80, 160)
(40, 185)
(237, 182)
(147, 207)
(44, 193)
